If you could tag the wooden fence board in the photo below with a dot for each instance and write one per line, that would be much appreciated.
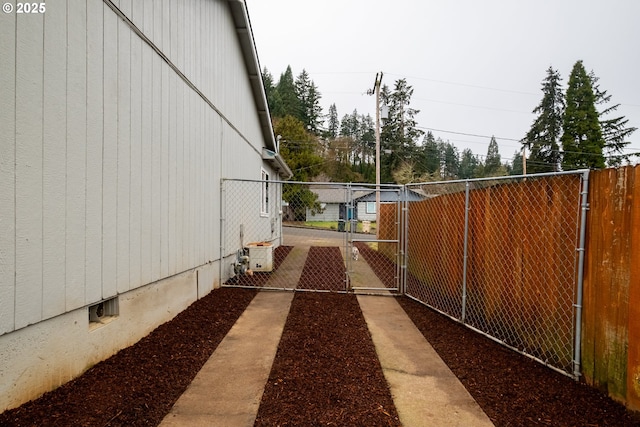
(633, 360)
(611, 331)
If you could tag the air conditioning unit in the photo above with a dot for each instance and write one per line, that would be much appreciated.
(261, 256)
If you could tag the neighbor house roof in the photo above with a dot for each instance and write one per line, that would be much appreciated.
(387, 196)
(330, 194)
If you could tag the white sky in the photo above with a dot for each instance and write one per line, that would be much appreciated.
(476, 66)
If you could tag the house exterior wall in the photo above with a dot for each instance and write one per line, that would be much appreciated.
(331, 212)
(362, 213)
(118, 126)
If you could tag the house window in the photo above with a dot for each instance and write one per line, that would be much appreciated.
(264, 197)
(371, 207)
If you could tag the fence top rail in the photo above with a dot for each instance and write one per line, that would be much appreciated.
(396, 187)
(352, 185)
(505, 178)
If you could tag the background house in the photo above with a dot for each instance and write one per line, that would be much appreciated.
(366, 203)
(333, 200)
(119, 121)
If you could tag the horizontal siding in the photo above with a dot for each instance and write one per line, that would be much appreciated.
(118, 161)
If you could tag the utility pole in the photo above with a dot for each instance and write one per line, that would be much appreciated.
(376, 91)
(524, 160)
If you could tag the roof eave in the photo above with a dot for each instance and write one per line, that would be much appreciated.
(245, 36)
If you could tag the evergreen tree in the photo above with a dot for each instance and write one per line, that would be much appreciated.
(614, 131)
(431, 156)
(582, 140)
(450, 161)
(492, 163)
(333, 126)
(270, 90)
(399, 131)
(469, 164)
(516, 164)
(309, 101)
(287, 103)
(349, 125)
(543, 138)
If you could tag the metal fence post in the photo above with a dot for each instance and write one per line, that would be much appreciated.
(465, 250)
(223, 230)
(581, 251)
(404, 237)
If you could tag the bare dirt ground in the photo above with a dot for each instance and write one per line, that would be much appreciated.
(325, 373)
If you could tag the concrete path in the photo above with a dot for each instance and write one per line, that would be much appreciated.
(228, 389)
(424, 390)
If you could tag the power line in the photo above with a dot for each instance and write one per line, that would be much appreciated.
(466, 85)
(467, 134)
(472, 106)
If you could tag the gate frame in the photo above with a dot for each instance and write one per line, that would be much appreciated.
(400, 240)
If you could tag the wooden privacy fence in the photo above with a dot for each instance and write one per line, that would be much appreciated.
(611, 320)
(503, 256)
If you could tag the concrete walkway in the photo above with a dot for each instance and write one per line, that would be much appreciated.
(228, 389)
(424, 390)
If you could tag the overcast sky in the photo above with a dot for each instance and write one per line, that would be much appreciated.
(476, 66)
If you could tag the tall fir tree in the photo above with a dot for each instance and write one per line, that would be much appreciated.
(333, 124)
(615, 131)
(543, 139)
(469, 164)
(582, 141)
(287, 103)
(516, 164)
(450, 161)
(270, 90)
(309, 101)
(492, 162)
(399, 131)
(431, 153)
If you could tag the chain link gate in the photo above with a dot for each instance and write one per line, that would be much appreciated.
(505, 257)
(311, 236)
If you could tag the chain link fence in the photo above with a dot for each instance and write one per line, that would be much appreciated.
(310, 236)
(503, 256)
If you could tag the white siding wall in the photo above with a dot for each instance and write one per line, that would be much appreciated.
(8, 89)
(331, 213)
(110, 171)
(362, 213)
(110, 165)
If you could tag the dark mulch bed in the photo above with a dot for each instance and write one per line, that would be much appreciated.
(326, 371)
(139, 385)
(323, 270)
(512, 389)
(260, 278)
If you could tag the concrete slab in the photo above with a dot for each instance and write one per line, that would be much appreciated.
(227, 390)
(424, 390)
(288, 274)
